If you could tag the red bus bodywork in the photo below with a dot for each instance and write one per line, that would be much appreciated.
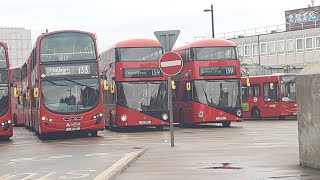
(25, 93)
(269, 96)
(6, 130)
(16, 102)
(64, 82)
(208, 75)
(122, 76)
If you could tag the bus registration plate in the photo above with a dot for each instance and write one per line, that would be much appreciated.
(73, 127)
(144, 122)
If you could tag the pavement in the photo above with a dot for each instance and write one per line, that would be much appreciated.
(264, 149)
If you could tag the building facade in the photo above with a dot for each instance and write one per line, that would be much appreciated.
(19, 44)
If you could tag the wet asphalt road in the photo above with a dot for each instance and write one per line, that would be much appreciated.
(266, 149)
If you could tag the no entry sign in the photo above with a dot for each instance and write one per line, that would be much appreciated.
(170, 63)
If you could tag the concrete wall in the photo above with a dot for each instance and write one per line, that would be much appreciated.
(308, 99)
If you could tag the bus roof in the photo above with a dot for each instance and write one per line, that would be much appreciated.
(63, 31)
(137, 43)
(207, 43)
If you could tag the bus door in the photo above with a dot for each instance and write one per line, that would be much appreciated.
(271, 99)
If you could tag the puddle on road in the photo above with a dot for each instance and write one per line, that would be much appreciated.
(223, 166)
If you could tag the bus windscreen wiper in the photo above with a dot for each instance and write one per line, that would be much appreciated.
(80, 84)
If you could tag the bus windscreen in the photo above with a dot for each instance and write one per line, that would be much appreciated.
(214, 53)
(67, 46)
(140, 54)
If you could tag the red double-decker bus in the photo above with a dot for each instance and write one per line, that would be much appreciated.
(25, 94)
(269, 96)
(65, 90)
(208, 87)
(16, 98)
(5, 106)
(135, 88)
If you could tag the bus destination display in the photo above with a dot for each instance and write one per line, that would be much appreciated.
(67, 70)
(141, 72)
(218, 71)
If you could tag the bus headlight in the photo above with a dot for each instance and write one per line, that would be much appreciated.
(201, 114)
(239, 112)
(124, 118)
(165, 116)
(97, 116)
(43, 118)
(6, 123)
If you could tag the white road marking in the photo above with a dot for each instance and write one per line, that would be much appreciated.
(96, 154)
(12, 161)
(60, 157)
(77, 174)
(171, 63)
(29, 176)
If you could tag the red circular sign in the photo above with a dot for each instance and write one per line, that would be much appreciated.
(170, 63)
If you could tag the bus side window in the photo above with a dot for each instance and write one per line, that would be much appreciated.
(244, 92)
(271, 91)
(254, 90)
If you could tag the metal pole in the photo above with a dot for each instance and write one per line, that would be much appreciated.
(170, 97)
(259, 56)
(212, 21)
(170, 110)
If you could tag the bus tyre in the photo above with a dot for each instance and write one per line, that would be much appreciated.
(181, 118)
(159, 128)
(226, 123)
(94, 134)
(255, 114)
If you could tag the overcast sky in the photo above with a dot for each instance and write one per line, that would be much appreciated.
(119, 20)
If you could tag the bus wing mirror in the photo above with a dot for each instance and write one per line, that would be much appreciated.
(112, 88)
(20, 99)
(105, 85)
(173, 85)
(35, 92)
(271, 86)
(188, 86)
(248, 82)
(27, 95)
(15, 92)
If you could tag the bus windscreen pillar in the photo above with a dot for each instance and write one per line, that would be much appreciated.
(308, 98)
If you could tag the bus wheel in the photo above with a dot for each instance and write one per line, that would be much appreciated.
(94, 134)
(181, 118)
(226, 123)
(255, 114)
(159, 128)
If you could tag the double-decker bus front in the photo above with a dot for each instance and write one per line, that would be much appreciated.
(68, 94)
(208, 87)
(5, 107)
(140, 88)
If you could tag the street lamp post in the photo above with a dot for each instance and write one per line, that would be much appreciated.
(212, 22)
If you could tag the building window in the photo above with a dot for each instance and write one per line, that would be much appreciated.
(272, 48)
(240, 51)
(317, 43)
(255, 50)
(309, 44)
(246, 50)
(299, 45)
(263, 48)
(280, 47)
(290, 46)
